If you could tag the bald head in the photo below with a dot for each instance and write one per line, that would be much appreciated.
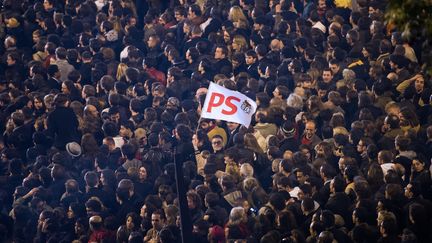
(90, 110)
(276, 45)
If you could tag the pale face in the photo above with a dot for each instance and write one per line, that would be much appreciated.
(301, 178)
(78, 228)
(64, 89)
(226, 37)
(152, 42)
(143, 211)
(217, 144)
(70, 213)
(38, 104)
(35, 38)
(188, 56)
(156, 221)
(219, 54)
(178, 16)
(361, 147)
(124, 132)
(250, 60)
(310, 130)
(276, 93)
(417, 166)
(327, 76)
(129, 223)
(419, 84)
(143, 173)
(341, 164)
(10, 61)
(191, 14)
(322, 4)
(47, 5)
(365, 52)
(232, 125)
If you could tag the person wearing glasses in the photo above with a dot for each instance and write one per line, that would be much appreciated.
(213, 130)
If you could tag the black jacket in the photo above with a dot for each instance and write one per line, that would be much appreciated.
(340, 203)
(63, 126)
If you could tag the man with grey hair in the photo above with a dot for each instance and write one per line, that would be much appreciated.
(88, 91)
(295, 101)
(134, 198)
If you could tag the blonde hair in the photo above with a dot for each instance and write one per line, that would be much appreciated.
(249, 184)
(233, 170)
(314, 74)
(246, 170)
(116, 23)
(236, 15)
(121, 70)
(131, 6)
(240, 40)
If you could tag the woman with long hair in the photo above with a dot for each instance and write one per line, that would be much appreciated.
(408, 120)
(239, 44)
(375, 177)
(420, 174)
(39, 106)
(69, 88)
(133, 222)
(238, 18)
(251, 143)
(89, 145)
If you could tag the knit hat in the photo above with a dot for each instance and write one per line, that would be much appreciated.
(73, 149)
(288, 129)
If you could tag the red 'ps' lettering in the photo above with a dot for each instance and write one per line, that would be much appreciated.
(217, 99)
(212, 102)
(229, 103)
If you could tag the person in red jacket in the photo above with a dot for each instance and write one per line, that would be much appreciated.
(149, 67)
(98, 233)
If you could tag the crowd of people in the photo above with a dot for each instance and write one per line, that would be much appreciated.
(100, 103)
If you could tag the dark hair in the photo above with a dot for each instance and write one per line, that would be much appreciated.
(128, 150)
(184, 132)
(91, 178)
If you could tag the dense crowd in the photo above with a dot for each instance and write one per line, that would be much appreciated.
(101, 100)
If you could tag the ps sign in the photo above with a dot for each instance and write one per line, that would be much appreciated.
(218, 99)
(228, 105)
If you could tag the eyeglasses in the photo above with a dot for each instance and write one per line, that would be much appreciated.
(217, 142)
